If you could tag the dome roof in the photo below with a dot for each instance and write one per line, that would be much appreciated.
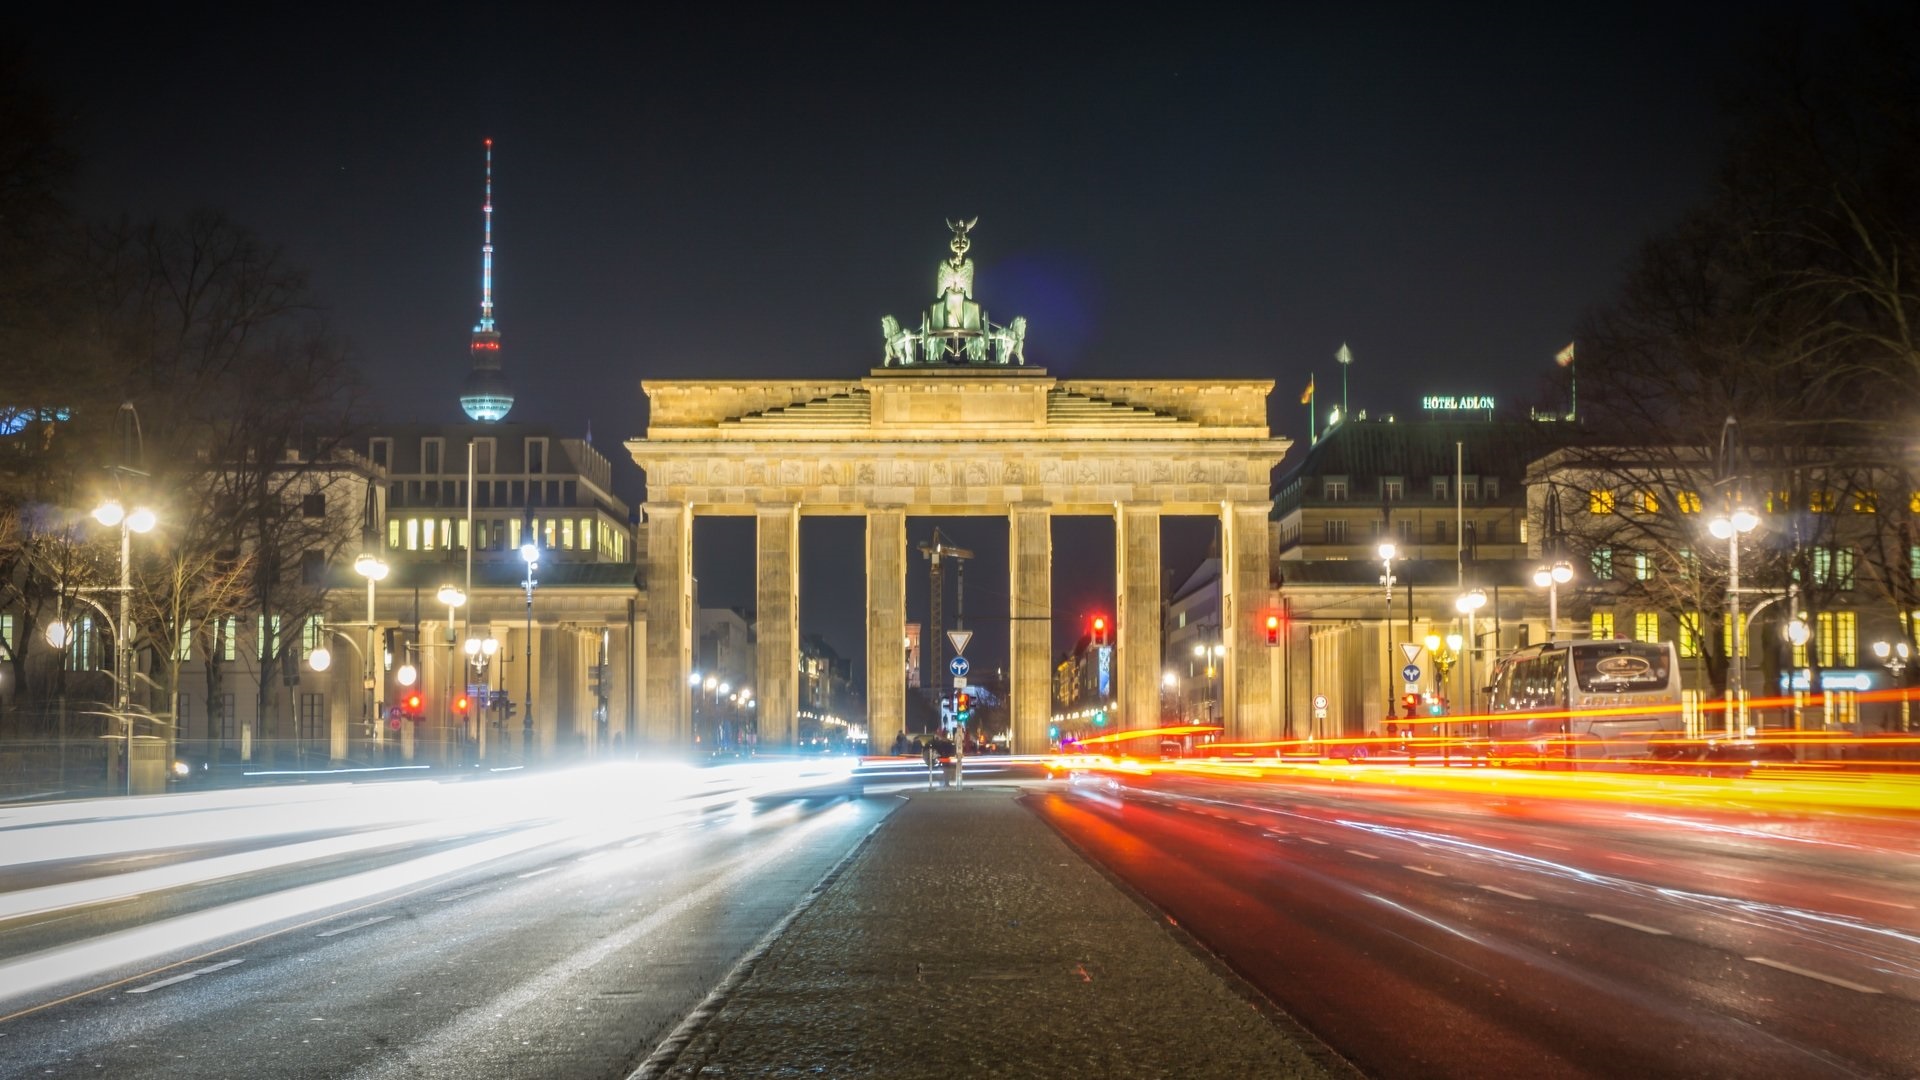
(487, 397)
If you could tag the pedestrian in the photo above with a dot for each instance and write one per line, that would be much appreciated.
(900, 745)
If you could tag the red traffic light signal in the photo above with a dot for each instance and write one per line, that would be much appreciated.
(1273, 629)
(962, 703)
(1410, 705)
(1099, 629)
(460, 705)
(413, 705)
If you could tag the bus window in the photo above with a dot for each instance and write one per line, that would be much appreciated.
(1621, 666)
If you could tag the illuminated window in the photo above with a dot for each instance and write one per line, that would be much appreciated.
(1913, 502)
(1689, 564)
(393, 533)
(312, 636)
(185, 650)
(1833, 567)
(1834, 634)
(464, 537)
(1820, 501)
(413, 534)
(1642, 566)
(1727, 635)
(6, 636)
(1866, 502)
(547, 528)
(1393, 489)
(566, 533)
(1600, 627)
(1646, 502)
(1800, 655)
(1689, 635)
(1599, 501)
(1646, 626)
(1913, 561)
(1602, 562)
(513, 533)
(446, 533)
(229, 630)
(268, 628)
(1687, 501)
(586, 534)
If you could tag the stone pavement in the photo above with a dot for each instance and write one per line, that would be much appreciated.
(965, 938)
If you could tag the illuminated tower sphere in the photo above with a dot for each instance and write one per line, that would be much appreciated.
(487, 396)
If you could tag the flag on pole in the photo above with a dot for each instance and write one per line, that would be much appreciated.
(1565, 356)
(1306, 396)
(1345, 355)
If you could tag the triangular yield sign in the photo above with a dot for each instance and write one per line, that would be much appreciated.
(1411, 650)
(959, 638)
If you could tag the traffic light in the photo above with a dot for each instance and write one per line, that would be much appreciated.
(413, 705)
(1273, 629)
(1100, 718)
(1099, 629)
(508, 708)
(460, 705)
(1436, 706)
(1410, 705)
(962, 707)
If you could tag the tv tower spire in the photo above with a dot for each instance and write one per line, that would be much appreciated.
(487, 397)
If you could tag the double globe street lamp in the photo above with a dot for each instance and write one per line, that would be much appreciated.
(142, 520)
(1731, 527)
(1551, 578)
(1895, 655)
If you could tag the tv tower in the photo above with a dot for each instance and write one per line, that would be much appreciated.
(487, 397)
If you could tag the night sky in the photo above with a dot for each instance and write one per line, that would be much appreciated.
(735, 194)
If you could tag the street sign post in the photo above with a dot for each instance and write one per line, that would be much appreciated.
(1411, 650)
(958, 666)
(1411, 673)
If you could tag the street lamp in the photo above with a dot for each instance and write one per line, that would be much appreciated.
(530, 554)
(138, 520)
(1551, 578)
(1469, 604)
(1895, 656)
(1730, 527)
(373, 568)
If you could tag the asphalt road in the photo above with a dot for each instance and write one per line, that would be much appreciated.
(440, 940)
(1426, 934)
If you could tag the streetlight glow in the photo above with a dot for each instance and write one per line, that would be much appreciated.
(142, 520)
(407, 675)
(320, 659)
(109, 513)
(371, 567)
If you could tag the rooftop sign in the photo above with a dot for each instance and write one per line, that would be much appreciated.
(1438, 403)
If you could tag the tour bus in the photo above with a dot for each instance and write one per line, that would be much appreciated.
(1582, 701)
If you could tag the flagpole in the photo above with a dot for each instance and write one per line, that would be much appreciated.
(1313, 409)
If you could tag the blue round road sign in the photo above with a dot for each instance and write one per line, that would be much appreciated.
(958, 666)
(1411, 673)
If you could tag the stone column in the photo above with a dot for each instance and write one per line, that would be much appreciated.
(1136, 565)
(886, 627)
(1030, 553)
(777, 626)
(668, 723)
(1246, 686)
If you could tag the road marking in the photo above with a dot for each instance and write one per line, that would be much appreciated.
(353, 926)
(1642, 927)
(1362, 854)
(461, 895)
(1871, 900)
(1424, 870)
(1506, 892)
(1314, 840)
(636, 841)
(542, 870)
(208, 970)
(1632, 859)
(1835, 980)
(1556, 847)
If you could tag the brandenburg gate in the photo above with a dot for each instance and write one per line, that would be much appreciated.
(955, 423)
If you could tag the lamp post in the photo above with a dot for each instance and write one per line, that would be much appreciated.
(1895, 656)
(373, 568)
(530, 554)
(112, 513)
(1469, 604)
(1387, 551)
(454, 598)
(1730, 527)
(1211, 655)
(1551, 578)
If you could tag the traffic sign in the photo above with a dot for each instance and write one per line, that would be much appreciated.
(959, 638)
(1410, 650)
(958, 666)
(1319, 701)
(394, 713)
(959, 682)
(1410, 673)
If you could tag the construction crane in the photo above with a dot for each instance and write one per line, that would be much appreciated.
(936, 552)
